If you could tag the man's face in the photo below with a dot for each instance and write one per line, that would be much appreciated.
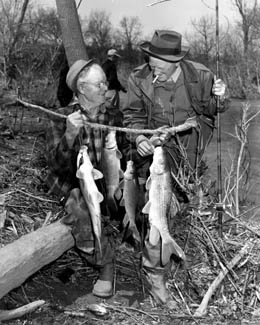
(114, 58)
(162, 69)
(94, 85)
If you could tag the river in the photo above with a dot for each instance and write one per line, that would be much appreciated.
(230, 146)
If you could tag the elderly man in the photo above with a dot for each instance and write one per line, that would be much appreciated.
(110, 68)
(64, 138)
(167, 91)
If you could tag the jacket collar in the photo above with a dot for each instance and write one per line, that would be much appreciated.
(145, 76)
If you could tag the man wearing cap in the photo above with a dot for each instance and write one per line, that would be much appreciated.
(110, 68)
(64, 138)
(167, 91)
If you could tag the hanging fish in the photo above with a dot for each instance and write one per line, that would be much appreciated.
(87, 175)
(159, 206)
(111, 168)
(130, 201)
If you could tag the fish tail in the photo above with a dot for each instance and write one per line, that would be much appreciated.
(169, 247)
(135, 233)
(131, 230)
(99, 249)
(111, 202)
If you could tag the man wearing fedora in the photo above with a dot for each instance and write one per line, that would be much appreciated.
(166, 92)
(64, 138)
(114, 85)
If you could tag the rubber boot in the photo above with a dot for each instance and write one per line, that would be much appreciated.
(104, 286)
(155, 275)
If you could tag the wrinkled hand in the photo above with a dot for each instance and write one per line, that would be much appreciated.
(162, 136)
(73, 124)
(219, 87)
(144, 146)
(110, 95)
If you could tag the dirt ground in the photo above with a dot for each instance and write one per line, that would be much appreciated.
(65, 285)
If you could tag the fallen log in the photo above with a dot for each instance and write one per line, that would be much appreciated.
(21, 311)
(28, 254)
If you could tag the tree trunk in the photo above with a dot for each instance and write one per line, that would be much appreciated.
(31, 252)
(19, 25)
(71, 31)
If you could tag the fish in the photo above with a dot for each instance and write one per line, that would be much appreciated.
(159, 206)
(111, 168)
(87, 175)
(130, 201)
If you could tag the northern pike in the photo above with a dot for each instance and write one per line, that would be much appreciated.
(130, 200)
(111, 168)
(158, 207)
(87, 175)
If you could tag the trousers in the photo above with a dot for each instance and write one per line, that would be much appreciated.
(79, 219)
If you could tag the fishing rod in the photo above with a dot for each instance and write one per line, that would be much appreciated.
(219, 205)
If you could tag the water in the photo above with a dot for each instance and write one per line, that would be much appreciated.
(230, 146)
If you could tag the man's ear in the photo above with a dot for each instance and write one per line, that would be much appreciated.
(80, 87)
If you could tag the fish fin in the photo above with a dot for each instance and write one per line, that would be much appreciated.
(126, 220)
(97, 174)
(154, 236)
(100, 197)
(121, 173)
(170, 247)
(174, 207)
(118, 154)
(118, 193)
(146, 208)
(135, 233)
(122, 202)
(79, 173)
(148, 183)
(121, 184)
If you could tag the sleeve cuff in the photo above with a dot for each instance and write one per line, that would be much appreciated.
(140, 139)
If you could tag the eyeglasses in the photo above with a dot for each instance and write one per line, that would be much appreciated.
(98, 85)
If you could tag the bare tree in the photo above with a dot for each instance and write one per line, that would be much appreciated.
(98, 32)
(248, 19)
(202, 40)
(12, 14)
(130, 32)
(19, 24)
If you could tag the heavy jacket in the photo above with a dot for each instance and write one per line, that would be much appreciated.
(193, 95)
(111, 73)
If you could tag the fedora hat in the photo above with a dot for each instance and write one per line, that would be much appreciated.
(74, 71)
(165, 45)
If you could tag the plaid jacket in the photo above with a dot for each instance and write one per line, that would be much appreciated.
(62, 161)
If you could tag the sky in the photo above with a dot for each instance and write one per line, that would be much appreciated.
(171, 14)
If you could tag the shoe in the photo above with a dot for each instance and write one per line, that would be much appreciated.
(156, 285)
(104, 285)
(103, 289)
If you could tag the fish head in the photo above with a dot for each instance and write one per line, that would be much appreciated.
(129, 172)
(158, 165)
(83, 156)
(110, 140)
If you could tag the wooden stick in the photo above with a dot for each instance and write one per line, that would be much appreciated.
(156, 3)
(201, 310)
(21, 311)
(190, 123)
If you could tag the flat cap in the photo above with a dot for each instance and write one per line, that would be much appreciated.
(74, 71)
(113, 52)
